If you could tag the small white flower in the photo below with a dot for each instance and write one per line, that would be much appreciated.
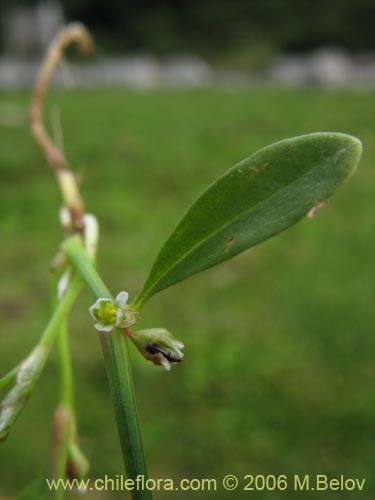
(110, 313)
(104, 312)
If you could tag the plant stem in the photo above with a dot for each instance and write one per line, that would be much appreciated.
(62, 352)
(33, 364)
(65, 366)
(63, 423)
(64, 418)
(9, 377)
(66, 454)
(60, 312)
(72, 33)
(116, 357)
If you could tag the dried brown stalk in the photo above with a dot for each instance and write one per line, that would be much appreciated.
(72, 33)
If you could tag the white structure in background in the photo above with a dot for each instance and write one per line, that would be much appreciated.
(331, 67)
(29, 29)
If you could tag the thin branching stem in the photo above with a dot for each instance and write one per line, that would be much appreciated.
(64, 418)
(64, 425)
(116, 356)
(9, 377)
(114, 344)
(33, 365)
(65, 366)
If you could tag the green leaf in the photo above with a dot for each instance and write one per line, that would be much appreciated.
(256, 199)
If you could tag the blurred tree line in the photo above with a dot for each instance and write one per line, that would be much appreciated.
(212, 27)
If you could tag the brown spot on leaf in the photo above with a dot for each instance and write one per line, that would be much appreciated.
(230, 241)
(311, 214)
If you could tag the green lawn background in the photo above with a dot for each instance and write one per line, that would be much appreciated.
(278, 375)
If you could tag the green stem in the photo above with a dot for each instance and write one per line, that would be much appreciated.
(63, 423)
(60, 312)
(9, 377)
(65, 367)
(35, 361)
(66, 452)
(64, 418)
(63, 352)
(116, 356)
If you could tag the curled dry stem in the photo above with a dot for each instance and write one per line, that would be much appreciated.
(72, 33)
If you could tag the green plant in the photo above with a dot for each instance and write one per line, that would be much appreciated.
(256, 199)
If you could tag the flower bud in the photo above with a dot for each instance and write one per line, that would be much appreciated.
(28, 373)
(159, 346)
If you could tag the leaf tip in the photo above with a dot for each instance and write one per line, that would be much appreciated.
(353, 149)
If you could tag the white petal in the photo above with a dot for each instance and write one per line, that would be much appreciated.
(165, 363)
(120, 316)
(122, 298)
(103, 328)
(91, 311)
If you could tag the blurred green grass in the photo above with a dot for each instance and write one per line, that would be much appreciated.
(278, 373)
